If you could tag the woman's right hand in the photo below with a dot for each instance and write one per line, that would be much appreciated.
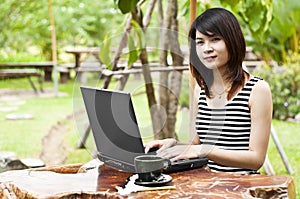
(161, 144)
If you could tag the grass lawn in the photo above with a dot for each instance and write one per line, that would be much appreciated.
(24, 136)
(288, 134)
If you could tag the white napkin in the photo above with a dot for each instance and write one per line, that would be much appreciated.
(130, 187)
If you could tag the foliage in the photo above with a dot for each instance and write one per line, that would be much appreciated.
(22, 57)
(256, 14)
(136, 42)
(126, 5)
(104, 54)
(15, 24)
(77, 24)
(285, 86)
(271, 26)
(274, 26)
(282, 36)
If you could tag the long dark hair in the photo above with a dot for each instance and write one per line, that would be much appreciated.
(219, 22)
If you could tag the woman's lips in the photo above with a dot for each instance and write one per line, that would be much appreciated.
(210, 58)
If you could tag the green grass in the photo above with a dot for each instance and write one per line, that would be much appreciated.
(288, 134)
(24, 136)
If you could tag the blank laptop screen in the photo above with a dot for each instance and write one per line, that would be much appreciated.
(113, 123)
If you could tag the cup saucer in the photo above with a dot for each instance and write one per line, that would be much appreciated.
(162, 180)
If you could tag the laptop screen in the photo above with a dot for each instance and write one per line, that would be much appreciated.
(113, 122)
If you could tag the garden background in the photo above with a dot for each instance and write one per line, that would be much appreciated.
(271, 28)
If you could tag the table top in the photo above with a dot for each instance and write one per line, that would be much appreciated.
(83, 50)
(103, 180)
(26, 64)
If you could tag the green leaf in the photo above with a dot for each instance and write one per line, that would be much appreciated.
(133, 54)
(258, 15)
(127, 5)
(281, 26)
(136, 42)
(104, 53)
(139, 34)
(231, 3)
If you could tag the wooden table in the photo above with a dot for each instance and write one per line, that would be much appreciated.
(77, 52)
(101, 182)
(46, 66)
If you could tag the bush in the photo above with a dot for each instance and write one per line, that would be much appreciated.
(284, 82)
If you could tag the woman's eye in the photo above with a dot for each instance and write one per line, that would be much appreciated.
(199, 42)
(215, 39)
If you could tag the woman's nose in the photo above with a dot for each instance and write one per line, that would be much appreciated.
(207, 48)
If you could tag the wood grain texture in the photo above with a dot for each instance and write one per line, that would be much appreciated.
(100, 182)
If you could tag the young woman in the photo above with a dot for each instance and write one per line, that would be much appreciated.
(233, 111)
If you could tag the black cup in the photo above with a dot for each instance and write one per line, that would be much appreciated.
(150, 167)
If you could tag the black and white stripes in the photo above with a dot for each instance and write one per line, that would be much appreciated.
(227, 128)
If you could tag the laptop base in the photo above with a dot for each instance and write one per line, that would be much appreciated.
(181, 165)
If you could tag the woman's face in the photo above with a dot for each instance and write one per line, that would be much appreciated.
(211, 50)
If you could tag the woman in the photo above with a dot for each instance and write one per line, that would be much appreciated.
(234, 109)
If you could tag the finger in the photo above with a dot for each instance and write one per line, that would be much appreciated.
(150, 145)
(167, 154)
(147, 149)
(174, 159)
(178, 157)
(162, 149)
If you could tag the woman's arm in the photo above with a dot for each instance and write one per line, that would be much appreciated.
(194, 98)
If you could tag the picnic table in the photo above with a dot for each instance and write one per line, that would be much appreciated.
(28, 69)
(102, 181)
(47, 67)
(78, 54)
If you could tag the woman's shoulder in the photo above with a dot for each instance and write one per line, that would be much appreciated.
(261, 92)
(260, 85)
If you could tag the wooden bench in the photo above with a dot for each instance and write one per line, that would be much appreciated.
(64, 69)
(41, 70)
(24, 73)
(64, 72)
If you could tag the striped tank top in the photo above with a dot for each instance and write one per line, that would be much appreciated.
(227, 128)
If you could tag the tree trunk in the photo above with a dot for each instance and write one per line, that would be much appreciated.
(170, 84)
(118, 53)
(175, 77)
(160, 13)
(155, 112)
(152, 103)
(53, 42)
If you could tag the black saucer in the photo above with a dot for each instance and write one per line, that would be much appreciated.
(162, 180)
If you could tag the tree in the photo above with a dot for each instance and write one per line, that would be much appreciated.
(170, 84)
(284, 31)
(77, 24)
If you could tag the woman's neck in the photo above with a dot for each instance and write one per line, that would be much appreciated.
(220, 79)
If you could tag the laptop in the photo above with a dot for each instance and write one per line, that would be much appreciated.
(116, 133)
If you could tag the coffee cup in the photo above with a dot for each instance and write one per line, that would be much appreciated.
(150, 167)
